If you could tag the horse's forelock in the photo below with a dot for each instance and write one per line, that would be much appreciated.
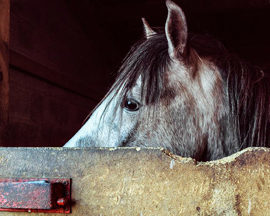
(148, 60)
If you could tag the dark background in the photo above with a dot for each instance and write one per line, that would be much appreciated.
(64, 54)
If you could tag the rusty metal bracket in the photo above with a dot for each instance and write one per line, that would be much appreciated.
(35, 195)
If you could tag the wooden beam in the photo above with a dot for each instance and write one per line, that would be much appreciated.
(4, 66)
(141, 181)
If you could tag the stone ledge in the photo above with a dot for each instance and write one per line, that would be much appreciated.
(138, 181)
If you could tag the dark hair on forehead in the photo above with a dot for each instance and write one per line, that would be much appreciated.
(147, 59)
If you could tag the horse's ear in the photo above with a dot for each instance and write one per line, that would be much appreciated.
(176, 29)
(148, 31)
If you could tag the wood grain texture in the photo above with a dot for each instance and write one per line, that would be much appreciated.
(4, 65)
(52, 88)
(46, 41)
(42, 114)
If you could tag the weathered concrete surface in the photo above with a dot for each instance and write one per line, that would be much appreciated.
(149, 181)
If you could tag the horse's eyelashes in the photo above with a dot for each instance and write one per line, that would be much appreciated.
(131, 105)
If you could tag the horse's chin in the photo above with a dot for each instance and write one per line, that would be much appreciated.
(90, 142)
(85, 141)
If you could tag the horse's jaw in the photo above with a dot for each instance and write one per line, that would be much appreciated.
(94, 133)
(86, 137)
(103, 128)
(91, 133)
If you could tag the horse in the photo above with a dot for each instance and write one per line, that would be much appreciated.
(183, 92)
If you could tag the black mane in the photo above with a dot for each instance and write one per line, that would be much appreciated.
(247, 88)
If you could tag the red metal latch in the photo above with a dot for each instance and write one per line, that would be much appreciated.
(35, 195)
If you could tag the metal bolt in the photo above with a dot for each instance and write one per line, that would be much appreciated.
(61, 202)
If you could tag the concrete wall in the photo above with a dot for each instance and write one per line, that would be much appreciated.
(149, 181)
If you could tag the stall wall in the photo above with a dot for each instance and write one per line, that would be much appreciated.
(52, 87)
(134, 181)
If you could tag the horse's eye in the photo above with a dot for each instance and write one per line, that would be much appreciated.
(131, 105)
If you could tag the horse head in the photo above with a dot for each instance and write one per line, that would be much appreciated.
(171, 93)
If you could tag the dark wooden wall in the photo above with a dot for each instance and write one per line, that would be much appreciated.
(4, 65)
(241, 24)
(52, 81)
(64, 54)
